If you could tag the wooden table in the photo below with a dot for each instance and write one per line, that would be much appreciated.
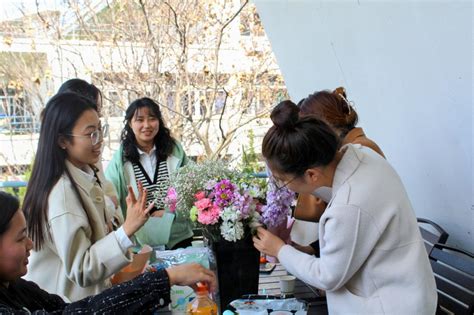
(269, 284)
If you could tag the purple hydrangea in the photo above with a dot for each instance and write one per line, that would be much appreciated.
(245, 203)
(278, 205)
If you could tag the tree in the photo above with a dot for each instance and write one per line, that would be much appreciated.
(207, 63)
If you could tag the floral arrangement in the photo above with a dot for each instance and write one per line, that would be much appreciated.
(226, 203)
(279, 201)
(223, 202)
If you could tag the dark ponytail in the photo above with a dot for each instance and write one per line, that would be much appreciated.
(295, 144)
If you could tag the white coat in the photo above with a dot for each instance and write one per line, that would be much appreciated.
(372, 260)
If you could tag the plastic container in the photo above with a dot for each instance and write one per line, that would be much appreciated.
(202, 304)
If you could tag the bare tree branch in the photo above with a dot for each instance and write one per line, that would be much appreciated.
(222, 114)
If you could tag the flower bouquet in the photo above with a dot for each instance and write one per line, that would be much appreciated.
(227, 205)
(224, 203)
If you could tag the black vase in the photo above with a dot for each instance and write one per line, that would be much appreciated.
(237, 269)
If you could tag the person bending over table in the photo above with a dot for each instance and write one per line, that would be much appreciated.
(373, 259)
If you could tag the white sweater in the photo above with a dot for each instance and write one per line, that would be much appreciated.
(373, 260)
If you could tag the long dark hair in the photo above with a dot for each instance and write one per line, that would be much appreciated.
(293, 144)
(333, 108)
(9, 205)
(163, 141)
(82, 88)
(60, 116)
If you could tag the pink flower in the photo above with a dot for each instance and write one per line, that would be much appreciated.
(200, 195)
(172, 207)
(209, 216)
(171, 199)
(172, 193)
(203, 204)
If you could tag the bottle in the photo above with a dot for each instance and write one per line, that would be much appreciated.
(202, 304)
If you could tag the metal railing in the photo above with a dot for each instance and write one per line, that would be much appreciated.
(14, 185)
(19, 124)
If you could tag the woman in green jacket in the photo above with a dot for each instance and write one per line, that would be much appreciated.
(149, 154)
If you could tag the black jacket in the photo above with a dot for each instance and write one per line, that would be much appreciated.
(143, 295)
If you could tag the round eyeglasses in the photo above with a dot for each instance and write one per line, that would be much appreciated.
(279, 184)
(97, 135)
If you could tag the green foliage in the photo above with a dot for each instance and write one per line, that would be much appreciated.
(20, 192)
(250, 160)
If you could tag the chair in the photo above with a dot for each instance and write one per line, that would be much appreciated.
(454, 274)
(432, 233)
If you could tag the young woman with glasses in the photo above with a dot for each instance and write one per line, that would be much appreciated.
(373, 259)
(144, 294)
(149, 154)
(93, 93)
(75, 248)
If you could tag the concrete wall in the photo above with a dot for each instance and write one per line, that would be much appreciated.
(407, 65)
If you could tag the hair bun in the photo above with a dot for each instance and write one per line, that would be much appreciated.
(285, 115)
(340, 91)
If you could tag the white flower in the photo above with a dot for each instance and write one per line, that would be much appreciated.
(230, 214)
(232, 230)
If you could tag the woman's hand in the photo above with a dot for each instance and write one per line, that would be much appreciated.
(137, 212)
(190, 274)
(267, 243)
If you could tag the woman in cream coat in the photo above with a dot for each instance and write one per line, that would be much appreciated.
(372, 258)
(91, 91)
(76, 249)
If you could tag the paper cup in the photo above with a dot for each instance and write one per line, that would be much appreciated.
(287, 284)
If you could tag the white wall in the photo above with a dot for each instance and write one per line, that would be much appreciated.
(407, 65)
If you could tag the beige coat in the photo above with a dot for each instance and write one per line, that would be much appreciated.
(373, 259)
(81, 256)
